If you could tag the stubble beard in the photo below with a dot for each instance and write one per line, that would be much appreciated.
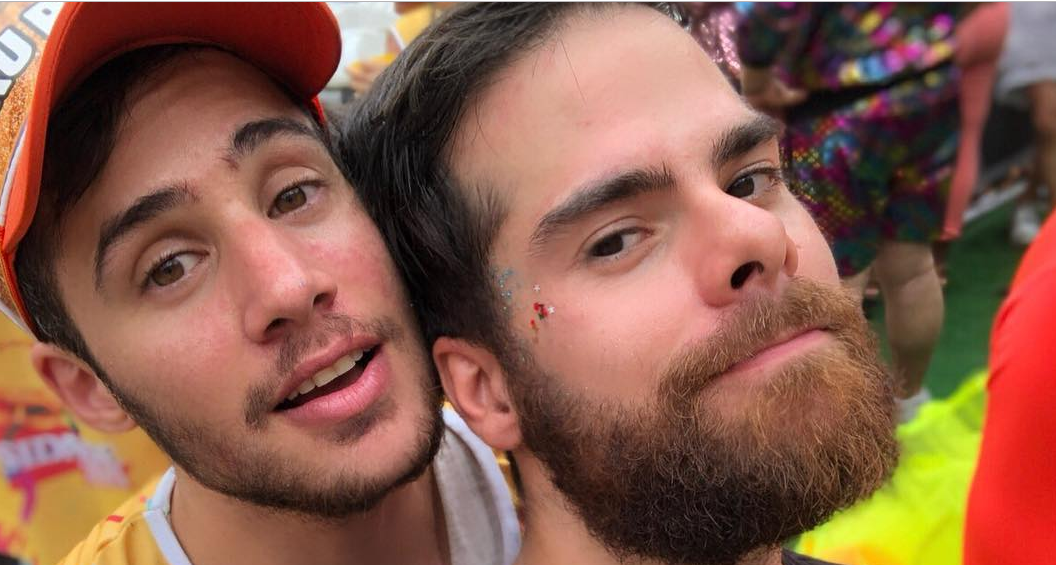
(249, 470)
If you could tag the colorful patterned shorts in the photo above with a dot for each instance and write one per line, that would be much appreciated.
(876, 167)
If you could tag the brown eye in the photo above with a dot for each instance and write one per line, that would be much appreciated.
(616, 243)
(742, 187)
(167, 272)
(609, 246)
(289, 200)
(754, 183)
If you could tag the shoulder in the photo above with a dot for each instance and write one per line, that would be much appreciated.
(122, 538)
(477, 500)
(1028, 310)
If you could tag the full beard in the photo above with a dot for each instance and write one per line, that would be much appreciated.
(682, 479)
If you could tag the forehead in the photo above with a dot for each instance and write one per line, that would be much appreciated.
(187, 113)
(609, 90)
(176, 131)
(605, 88)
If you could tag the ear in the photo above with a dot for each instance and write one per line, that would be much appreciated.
(475, 383)
(79, 388)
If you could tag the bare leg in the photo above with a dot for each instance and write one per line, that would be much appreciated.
(1043, 115)
(913, 307)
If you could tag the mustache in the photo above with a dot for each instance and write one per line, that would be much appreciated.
(297, 345)
(756, 324)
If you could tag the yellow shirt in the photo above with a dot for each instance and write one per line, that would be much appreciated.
(479, 514)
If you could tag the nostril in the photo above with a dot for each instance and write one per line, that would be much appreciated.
(274, 326)
(744, 272)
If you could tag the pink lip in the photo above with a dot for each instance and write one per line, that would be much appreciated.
(350, 401)
(323, 359)
(780, 351)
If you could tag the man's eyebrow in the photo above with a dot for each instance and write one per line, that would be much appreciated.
(596, 195)
(742, 138)
(251, 135)
(144, 209)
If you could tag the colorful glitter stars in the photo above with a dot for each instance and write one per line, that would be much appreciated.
(542, 310)
(502, 279)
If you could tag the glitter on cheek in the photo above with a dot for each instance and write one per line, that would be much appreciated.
(506, 285)
(504, 277)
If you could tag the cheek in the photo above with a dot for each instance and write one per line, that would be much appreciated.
(610, 341)
(186, 365)
(354, 251)
(815, 256)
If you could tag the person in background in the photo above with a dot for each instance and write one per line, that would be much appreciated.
(869, 95)
(714, 25)
(980, 39)
(1027, 79)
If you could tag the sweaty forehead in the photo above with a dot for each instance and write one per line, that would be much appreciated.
(608, 87)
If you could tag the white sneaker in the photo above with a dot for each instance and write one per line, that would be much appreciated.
(1026, 221)
(909, 407)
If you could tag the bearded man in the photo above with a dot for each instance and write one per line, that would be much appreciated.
(619, 288)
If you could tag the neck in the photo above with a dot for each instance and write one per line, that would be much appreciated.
(215, 529)
(553, 533)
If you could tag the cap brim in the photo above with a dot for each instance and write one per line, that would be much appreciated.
(297, 44)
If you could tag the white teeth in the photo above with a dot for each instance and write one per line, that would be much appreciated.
(344, 364)
(325, 376)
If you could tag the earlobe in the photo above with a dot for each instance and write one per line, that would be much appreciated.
(80, 388)
(475, 384)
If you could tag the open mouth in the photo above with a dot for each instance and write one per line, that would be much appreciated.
(343, 373)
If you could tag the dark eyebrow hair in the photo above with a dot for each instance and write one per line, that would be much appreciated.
(742, 138)
(249, 136)
(594, 196)
(144, 209)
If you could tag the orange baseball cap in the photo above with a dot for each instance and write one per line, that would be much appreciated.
(48, 48)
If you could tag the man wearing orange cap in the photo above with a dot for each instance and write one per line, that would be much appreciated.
(179, 239)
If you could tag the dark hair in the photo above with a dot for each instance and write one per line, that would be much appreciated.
(82, 131)
(396, 147)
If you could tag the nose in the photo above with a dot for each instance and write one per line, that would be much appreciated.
(739, 248)
(282, 283)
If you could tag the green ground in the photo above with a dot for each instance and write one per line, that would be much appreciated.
(980, 266)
